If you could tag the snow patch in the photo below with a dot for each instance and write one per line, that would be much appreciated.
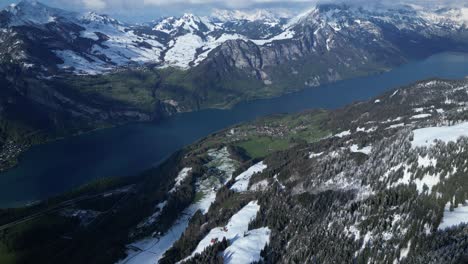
(363, 129)
(314, 155)
(405, 251)
(394, 93)
(288, 34)
(180, 178)
(245, 246)
(343, 134)
(396, 126)
(421, 116)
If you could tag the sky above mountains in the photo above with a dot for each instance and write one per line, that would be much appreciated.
(144, 10)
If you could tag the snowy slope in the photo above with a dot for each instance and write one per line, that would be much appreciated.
(245, 245)
(152, 249)
(246, 249)
(425, 137)
(242, 181)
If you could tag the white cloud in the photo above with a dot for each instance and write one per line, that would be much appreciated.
(95, 4)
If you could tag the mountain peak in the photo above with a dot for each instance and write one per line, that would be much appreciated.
(31, 12)
(26, 5)
(273, 15)
(187, 22)
(92, 16)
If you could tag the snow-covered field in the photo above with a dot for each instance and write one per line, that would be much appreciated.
(242, 181)
(245, 245)
(425, 137)
(458, 216)
(80, 65)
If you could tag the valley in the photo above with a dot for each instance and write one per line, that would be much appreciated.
(336, 133)
(142, 145)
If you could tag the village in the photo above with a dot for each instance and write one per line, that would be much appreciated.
(9, 153)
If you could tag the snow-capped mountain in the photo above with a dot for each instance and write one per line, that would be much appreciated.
(94, 43)
(51, 40)
(188, 23)
(271, 16)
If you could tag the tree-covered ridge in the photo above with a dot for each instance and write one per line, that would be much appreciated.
(362, 195)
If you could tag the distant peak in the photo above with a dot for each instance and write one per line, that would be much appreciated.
(28, 3)
(33, 12)
(251, 15)
(99, 18)
(190, 16)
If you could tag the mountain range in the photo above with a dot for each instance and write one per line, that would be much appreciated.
(64, 72)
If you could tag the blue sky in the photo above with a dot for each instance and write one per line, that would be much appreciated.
(146, 10)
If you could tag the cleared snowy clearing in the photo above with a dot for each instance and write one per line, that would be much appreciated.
(242, 181)
(458, 216)
(365, 150)
(425, 137)
(246, 250)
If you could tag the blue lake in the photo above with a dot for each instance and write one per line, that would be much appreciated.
(59, 166)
